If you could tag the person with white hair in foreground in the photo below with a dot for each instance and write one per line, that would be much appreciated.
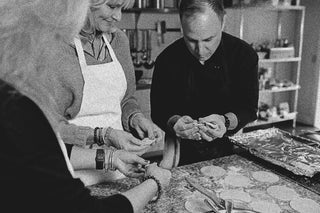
(37, 174)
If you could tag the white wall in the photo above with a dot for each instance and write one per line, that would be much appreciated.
(309, 95)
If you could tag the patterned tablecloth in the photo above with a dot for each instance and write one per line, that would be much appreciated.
(174, 198)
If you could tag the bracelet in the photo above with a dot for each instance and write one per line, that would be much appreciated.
(106, 138)
(156, 198)
(132, 117)
(95, 138)
(110, 161)
(227, 121)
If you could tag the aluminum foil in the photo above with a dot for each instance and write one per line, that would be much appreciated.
(281, 148)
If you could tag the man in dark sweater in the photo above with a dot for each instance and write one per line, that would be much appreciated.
(206, 77)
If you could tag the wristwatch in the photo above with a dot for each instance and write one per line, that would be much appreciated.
(227, 121)
(100, 159)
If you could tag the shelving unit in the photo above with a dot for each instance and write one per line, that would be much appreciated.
(295, 61)
(284, 89)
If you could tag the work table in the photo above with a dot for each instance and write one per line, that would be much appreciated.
(174, 198)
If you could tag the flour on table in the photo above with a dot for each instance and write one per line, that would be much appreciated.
(213, 171)
(196, 205)
(267, 177)
(237, 180)
(265, 207)
(305, 205)
(282, 193)
(234, 194)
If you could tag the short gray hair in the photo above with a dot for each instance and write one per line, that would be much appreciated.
(30, 33)
(188, 8)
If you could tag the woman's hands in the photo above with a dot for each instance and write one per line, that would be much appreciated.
(126, 141)
(129, 164)
(163, 175)
(146, 128)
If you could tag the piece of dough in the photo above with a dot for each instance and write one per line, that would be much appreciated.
(234, 194)
(305, 205)
(282, 193)
(265, 207)
(147, 141)
(267, 177)
(213, 171)
(237, 180)
(196, 205)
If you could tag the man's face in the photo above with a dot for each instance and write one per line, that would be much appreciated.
(202, 34)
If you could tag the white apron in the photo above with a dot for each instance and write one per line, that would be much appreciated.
(65, 155)
(104, 87)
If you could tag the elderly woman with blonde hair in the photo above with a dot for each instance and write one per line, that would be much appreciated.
(37, 174)
(94, 88)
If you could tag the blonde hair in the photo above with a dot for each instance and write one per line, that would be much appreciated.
(98, 3)
(30, 31)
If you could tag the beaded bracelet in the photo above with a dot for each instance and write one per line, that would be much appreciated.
(95, 138)
(100, 141)
(106, 136)
(156, 198)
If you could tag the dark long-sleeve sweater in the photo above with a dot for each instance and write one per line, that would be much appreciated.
(227, 82)
(34, 176)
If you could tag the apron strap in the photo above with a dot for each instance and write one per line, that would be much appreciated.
(112, 54)
(80, 52)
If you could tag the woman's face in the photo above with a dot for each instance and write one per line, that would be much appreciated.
(107, 15)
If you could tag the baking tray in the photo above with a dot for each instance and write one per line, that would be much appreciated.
(296, 154)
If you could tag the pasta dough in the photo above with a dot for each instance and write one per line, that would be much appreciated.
(237, 180)
(213, 171)
(282, 193)
(196, 205)
(267, 177)
(234, 194)
(265, 207)
(305, 205)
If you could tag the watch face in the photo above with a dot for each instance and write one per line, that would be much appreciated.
(100, 159)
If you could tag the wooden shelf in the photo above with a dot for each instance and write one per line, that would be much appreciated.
(290, 116)
(285, 89)
(287, 8)
(279, 60)
(151, 10)
(270, 7)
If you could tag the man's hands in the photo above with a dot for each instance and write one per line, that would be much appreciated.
(129, 164)
(207, 128)
(146, 128)
(208, 133)
(187, 128)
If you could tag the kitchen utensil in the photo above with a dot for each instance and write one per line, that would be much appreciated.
(149, 64)
(212, 206)
(137, 62)
(222, 204)
(144, 49)
(210, 194)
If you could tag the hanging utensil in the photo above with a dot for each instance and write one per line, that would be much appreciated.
(144, 49)
(149, 64)
(137, 62)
